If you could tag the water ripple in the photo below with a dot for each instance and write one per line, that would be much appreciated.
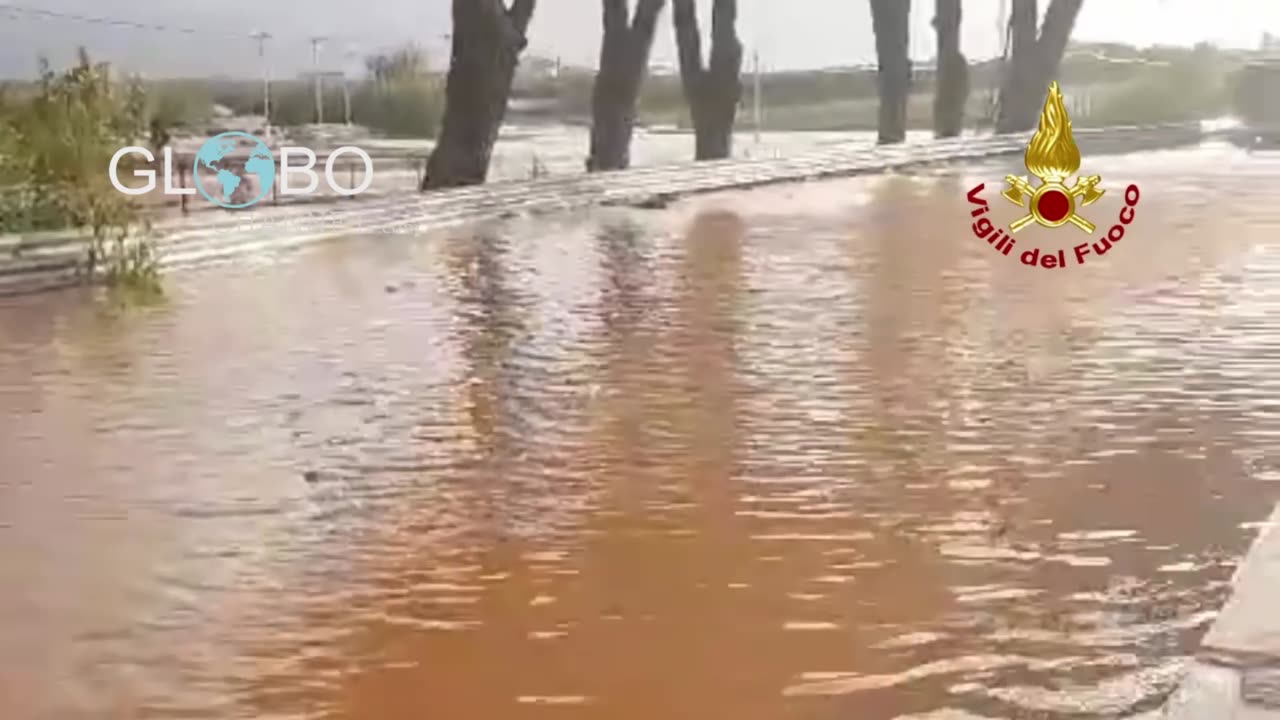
(808, 451)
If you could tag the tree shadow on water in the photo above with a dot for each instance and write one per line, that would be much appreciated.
(626, 262)
(491, 318)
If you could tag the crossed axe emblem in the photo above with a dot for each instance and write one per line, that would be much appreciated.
(1053, 203)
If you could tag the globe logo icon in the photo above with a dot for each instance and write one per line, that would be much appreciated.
(223, 170)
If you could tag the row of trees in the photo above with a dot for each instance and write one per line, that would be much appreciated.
(1034, 54)
(489, 36)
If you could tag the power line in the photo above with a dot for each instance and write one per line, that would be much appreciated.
(103, 20)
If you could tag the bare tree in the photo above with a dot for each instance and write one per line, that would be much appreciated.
(712, 90)
(952, 93)
(1033, 61)
(488, 37)
(891, 21)
(624, 61)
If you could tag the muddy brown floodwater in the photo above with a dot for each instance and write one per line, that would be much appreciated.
(811, 451)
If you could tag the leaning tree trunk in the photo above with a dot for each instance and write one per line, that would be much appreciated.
(952, 93)
(714, 90)
(1055, 34)
(891, 21)
(1033, 62)
(1016, 85)
(624, 60)
(488, 38)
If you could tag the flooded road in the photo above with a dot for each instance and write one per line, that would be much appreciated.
(812, 451)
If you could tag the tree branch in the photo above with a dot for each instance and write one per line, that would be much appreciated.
(642, 29)
(520, 13)
(726, 49)
(646, 19)
(688, 45)
(1055, 33)
(615, 18)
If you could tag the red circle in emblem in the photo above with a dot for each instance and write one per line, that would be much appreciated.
(1054, 206)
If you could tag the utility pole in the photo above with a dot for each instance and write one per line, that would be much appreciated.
(346, 101)
(319, 81)
(352, 54)
(262, 38)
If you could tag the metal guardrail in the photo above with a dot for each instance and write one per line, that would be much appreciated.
(350, 164)
(49, 260)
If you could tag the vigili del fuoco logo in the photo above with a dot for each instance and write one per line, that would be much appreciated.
(1052, 157)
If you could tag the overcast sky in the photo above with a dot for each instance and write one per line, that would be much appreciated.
(787, 33)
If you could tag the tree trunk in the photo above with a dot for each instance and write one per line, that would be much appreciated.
(1055, 34)
(624, 61)
(1033, 61)
(714, 90)
(1016, 87)
(891, 21)
(488, 38)
(952, 93)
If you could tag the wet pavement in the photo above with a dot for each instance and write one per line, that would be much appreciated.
(812, 451)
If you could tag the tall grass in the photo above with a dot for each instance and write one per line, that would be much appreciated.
(400, 97)
(1183, 86)
(402, 109)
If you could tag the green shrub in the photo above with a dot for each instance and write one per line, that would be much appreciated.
(1256, 94)
(1185, 86)
(179, 103)
(55, 148)
(401, 97)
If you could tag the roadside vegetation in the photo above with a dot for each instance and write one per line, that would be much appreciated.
(58, 134)
(1123, 84)
(57, 138)
(1171, 85)
(399, 97)
(1254, 95)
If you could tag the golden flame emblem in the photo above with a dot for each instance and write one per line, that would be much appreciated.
(1053, 157)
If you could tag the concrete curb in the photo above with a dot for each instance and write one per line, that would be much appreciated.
(1236, 673)
(49, 260)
